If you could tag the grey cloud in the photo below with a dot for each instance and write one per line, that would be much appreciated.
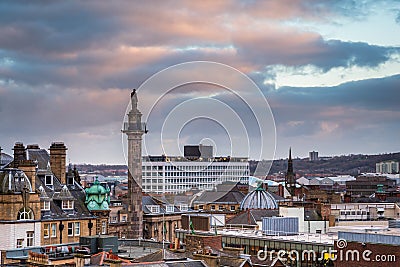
(376, 94)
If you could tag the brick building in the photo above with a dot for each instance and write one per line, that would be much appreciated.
(41, 203)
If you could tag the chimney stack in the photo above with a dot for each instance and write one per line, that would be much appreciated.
(29, 168)
(58, 158)
(19, 153)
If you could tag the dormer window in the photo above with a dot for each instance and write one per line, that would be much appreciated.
(48, 180)
(184, 207)
(67, 204)
(70, 180)
(154, 208)
(169, 208)
(46, 205)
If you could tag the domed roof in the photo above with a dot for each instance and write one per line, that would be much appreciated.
(97, 197)
(14, 180)
(258, 199)
(97, 189)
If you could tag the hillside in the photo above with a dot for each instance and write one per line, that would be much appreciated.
(349, 164)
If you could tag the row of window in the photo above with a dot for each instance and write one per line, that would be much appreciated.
(220, 207)
(168, 208)
(195, 174)
(48, 180)
(65, 205)
(195, 168)
(173, 183)
(50, 229)
(29, 240)
(353, 212)
(114, 219)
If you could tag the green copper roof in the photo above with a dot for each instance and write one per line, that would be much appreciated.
(97, 197)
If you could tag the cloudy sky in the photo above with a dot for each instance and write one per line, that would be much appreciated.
(330, 71)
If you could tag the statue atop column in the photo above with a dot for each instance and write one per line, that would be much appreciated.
(134, 99)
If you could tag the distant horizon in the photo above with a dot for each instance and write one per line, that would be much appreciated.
(293, 156)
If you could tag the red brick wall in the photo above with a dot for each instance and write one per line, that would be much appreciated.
(379, 252)
(194, 242)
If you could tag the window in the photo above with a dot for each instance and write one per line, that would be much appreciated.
(220, 207)
(46, 230)
(154, 208)
(53, 230)
(77, 231)
(25, 214)
(233, 208)
(70, 229)
(212, 207)
(67, 204)
(46, 205)
(123, 218)
(184, 207)
(29, 238)
(201, 207)
(48, 180)
(103, 227)
(70, 179)
(170, 208)
(20, 243)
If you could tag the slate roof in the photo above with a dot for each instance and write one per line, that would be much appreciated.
(312, 215)
(40, 155)
(226, 193)
(189, 263)
(150, 201)
(160, 256)
(58, 192)
(186, 263)
(5, 159)
(231, 197)
(250, 217)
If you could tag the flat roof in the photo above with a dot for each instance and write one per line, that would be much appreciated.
(317, 239)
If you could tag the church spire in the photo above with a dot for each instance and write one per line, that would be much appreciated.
(290, 162)
(290, 177)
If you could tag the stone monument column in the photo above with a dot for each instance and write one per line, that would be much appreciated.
(134, 129)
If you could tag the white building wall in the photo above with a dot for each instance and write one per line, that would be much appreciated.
(181, 176)
(293, 212)
(10, 232)
(313, 226)
(304, 226)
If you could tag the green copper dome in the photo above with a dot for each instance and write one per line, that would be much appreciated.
(97, 197)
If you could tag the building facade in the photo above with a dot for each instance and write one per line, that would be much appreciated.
(225, 199)
(40, 202)
(174, 175)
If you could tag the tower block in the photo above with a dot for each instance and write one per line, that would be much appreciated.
(134, 129)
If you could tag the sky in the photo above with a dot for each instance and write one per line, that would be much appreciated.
(326, 75)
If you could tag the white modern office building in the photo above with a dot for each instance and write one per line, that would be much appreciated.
(163, 174)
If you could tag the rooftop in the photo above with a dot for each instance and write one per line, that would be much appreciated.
(321, 239)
